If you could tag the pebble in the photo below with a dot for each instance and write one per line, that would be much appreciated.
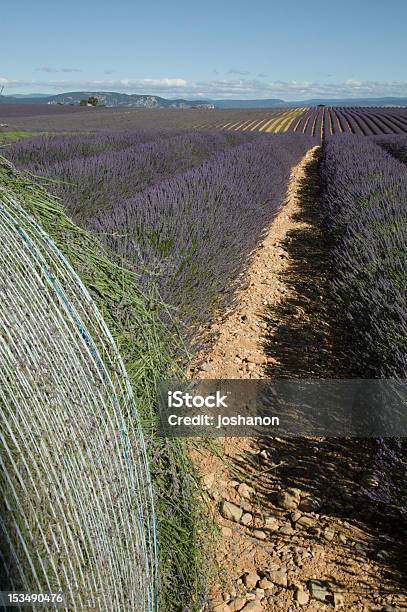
(272, 567)
(246, 519)
(245, 491)
(301, 597)
(263, 456)
(339, 601)
(306, 522)
(271, 523)
(279, 577)
(319, 589)
(231, 511)
(237, 604)
(227, 532)
(258, 359)
(265, 584)
(288, 499)
(251, 579)
(208, 481)
(309, 504)
(294, 516)
(246, 505)
(286, 530)
(329, 534)
(206, 367)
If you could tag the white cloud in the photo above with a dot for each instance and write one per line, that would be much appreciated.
(164, 82)
(220, 88)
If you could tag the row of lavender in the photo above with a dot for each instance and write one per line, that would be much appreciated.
(371, 121)
(183, 210)
(196, 231)
(364, 199)
(90, 172)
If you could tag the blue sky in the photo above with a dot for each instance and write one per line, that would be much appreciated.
(208, 49)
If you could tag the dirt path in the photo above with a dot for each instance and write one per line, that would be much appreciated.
(295, 530)
(238, 352)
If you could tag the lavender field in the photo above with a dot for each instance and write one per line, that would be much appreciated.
(318, 122)
(203, 306)
(185, 211)
(182, 215)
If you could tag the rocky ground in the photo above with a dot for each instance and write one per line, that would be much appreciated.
(296, 531)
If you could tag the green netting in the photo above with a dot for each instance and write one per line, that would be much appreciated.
(77, 500)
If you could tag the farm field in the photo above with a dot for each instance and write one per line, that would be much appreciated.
(318, 122)
(203, 306)
(34, 110)
(278, 120)
(215, 244)
(323, 121)
(95, 119)
(370, 121)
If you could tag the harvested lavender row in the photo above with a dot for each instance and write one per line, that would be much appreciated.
(88, 183)
(75, 477)
(366, 216)
(195, 233)
(147, 348)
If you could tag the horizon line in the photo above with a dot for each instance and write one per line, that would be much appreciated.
(202, 98)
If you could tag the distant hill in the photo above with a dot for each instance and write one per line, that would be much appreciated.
(115, 99)
(33, 95)
(275, 102)
(108, 98)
